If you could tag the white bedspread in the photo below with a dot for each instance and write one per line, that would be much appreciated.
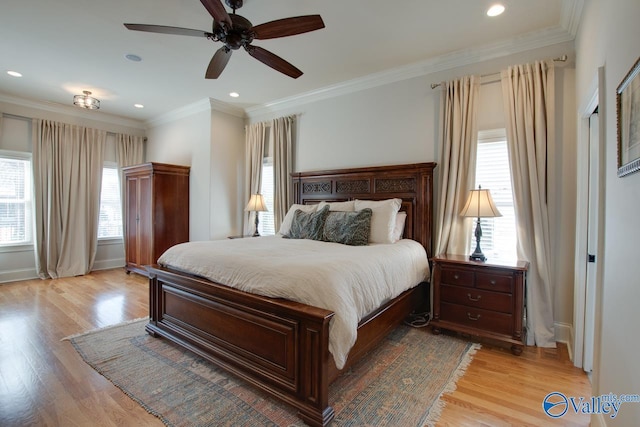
(351, 281)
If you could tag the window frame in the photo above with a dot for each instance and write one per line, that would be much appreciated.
(494, 136)
(267, 161)
(111, 239)
(28, 244)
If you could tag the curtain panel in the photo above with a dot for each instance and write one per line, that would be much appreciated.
(529, 100)
(458, 145)
(281, 135)
(255, 142)
(67, 170)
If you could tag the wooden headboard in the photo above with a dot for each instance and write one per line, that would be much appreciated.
(413, 183)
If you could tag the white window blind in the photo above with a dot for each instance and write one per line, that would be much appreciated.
(110, 221)
(266, 225)
(15, 199)
(494, 173)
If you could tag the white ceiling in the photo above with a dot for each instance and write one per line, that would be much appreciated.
(63, 47)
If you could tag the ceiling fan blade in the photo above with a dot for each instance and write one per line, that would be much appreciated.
(217, 11)
(273, 61)
(163, 29)
(218, 62)
(288, 27)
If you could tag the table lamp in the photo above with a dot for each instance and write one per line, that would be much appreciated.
(479, 205)
(256, 204)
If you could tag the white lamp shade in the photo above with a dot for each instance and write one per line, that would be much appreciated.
(480, 205)
(256, 204)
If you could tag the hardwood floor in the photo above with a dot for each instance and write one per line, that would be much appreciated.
(44, 382)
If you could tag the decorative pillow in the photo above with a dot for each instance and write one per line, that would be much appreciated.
(348, 206)
(308, 225)
(383, 220)
(348, 228)
(398, 231)
(286, 222)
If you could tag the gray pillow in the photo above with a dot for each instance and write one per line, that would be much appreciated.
(308, 225)
(348, 228)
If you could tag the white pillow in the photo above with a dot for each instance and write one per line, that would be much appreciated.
(398, 231)
(348, 206)
(383, 220)
(288, 218)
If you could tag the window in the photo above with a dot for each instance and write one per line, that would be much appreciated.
(110, 221)
(266, 226)
(15, 199)
(494, 173)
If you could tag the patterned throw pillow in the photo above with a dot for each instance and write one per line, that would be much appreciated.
(348, 228)
(308, 225)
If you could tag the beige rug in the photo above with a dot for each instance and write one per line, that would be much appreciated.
(398, 384)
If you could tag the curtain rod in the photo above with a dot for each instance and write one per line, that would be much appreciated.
(562, 58)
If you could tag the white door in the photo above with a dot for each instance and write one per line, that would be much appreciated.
(592, 243)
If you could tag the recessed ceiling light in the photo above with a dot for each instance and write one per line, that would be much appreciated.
(14, 73)
(132, 57)
(234, 94)
(495, 10)
(138, 105)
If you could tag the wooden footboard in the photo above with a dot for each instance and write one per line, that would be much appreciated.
(277, 345)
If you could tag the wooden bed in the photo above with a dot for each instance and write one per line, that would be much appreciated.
(278, 345)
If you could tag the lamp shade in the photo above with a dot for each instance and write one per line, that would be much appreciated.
(256, 204)
(480, 205)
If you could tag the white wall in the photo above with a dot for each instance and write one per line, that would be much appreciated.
(398, 123)
(608, 36)
(18, 263)
(211, 143)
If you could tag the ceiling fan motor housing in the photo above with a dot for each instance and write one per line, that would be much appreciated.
(236, 37)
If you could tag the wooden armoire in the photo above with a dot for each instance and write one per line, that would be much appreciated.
(156, 212)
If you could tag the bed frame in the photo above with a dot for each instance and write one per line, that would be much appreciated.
(282, 346)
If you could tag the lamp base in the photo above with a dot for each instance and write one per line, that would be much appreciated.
(477, 257)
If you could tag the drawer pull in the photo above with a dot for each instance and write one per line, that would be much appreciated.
(474, 299)
(455, 276)
(493, 282)
(473, 318)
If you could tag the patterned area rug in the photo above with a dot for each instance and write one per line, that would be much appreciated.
(398, 384)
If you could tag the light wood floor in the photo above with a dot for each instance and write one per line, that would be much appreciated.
(44, 382)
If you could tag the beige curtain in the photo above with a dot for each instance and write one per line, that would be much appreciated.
(528, 92)
(458, 143)
(67, 169)
(281, 137)
(255, 142)
(129, 152)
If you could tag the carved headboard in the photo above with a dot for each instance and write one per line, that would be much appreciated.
(413, 183)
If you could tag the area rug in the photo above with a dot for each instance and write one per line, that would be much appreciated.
(398, 384)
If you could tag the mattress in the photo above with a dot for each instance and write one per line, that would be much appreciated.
(351, 281)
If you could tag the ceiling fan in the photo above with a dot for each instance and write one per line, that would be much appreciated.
(236, 31)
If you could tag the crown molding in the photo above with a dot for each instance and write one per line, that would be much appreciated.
(72, 111)
(205, 104)
(529, 41)
(570, 15)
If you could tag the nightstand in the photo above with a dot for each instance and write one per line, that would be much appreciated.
(484, 299)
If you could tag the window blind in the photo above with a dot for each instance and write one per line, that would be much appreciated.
(110, 221)
(15, 201)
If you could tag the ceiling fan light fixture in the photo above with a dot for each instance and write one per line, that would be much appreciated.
(495, 10)
(86, 101)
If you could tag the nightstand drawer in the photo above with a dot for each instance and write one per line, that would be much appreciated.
(457, 277)
(494, 301)
(500, 323)
(494, 282)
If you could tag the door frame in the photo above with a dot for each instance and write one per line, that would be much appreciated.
(594, 100)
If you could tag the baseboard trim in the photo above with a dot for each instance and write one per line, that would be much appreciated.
(9, 276)
(564, 334)
(107, 264)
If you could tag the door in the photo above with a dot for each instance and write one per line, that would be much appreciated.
(592, 242)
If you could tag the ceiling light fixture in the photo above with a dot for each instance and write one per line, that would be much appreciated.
(133, 57)
(234, 94)
(138, 105)
(495, 10)
(86, 101)
(14, 73)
